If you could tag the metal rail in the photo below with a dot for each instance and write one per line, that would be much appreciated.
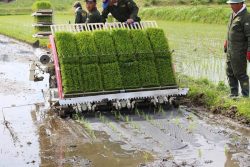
(124, 96)
(101, 26)
(57, 67)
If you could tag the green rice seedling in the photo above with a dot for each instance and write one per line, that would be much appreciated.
(42, 29)
(43, 19)
(112, 127)
(165, 72)
(226, 149)
(160, 109)
(191, 127)
(79, 78)
(143, 115)
(88, 128)
(87, 49)
(102, 118)
(66, 45)
(235, 139)
(116, 116)
(111, 76)
(199, 153)
(127, 118)
(146, 157)
(142, 45)
(120, 115)
(41, 5)
(67, 82)
(159, 42)
(148, 74)
(123, 45)
(74, 78)
(137, 112)
(91, 76)
(105, 46)
(136, 126)
(176, 121)
(129, 73)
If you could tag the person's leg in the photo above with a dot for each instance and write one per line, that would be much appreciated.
(239, 67)
(232, 80)
(244, 83)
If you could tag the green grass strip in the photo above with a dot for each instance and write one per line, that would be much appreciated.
(189, 13)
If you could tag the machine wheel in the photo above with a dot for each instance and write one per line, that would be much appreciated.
(175, 102)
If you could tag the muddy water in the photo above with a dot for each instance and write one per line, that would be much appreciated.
(177, 136)
(31, 136)
(19, 144)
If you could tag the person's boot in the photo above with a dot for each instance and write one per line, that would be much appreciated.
(245, 88)
(234, 89)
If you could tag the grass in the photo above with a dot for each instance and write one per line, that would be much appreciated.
(25, 6)
(215, 96)
(41, 5)
(20, 27)
(201, 14)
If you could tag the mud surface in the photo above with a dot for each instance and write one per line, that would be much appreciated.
(32, 136)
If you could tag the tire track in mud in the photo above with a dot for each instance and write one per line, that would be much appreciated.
(177, 134)
(140, 134)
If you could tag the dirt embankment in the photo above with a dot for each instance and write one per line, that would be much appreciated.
(198, 103)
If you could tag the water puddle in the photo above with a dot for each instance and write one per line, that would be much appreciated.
(19, 142)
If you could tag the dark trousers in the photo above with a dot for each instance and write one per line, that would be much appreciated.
(237, 73)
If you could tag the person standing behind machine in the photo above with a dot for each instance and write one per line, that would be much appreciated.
(121, 10)
(93, 15)
(80, 14)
